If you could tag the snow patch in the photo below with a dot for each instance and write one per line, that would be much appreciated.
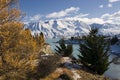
(76, 76)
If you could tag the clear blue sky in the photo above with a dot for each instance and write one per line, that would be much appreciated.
(95, 8)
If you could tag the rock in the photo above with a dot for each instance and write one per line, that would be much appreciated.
(116, 60)
(65, 60)
(46, 49)
(76, 76)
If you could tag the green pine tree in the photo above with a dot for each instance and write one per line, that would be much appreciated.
(114, 40)
(64, 50)
(94, 52)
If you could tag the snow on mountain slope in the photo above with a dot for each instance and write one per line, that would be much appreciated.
(59, 28)
(68, 28)
(107, 29)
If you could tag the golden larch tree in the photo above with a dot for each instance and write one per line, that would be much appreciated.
(17, 45)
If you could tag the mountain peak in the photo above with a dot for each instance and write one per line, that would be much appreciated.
(68, 28)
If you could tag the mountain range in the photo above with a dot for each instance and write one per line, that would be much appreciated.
(67, 28)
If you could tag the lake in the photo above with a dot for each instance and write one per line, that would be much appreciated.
(112, 72)
(53, 46)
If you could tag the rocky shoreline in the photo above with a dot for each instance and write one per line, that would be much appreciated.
(75, 71)
(46, 49)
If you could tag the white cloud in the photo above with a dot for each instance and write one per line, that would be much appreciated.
(111, 1)
(35, 17)
(116, 14)
(93, 20)
(105, 18)
(81, 15)
(97, 20)
(87, 20)
(111, 18)
(109, 5)
(63, 13)
(101, 6)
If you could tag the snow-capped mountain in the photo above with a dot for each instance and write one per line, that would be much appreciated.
(59, 28)
(107, 29)
(68, 28)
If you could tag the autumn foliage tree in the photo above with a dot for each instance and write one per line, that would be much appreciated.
(17, 45)
(9, 25)
(39, 38)
(13, 37)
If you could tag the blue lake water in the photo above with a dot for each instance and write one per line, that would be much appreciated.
(53, 46)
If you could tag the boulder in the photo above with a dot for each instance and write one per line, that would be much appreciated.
(46, 49)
